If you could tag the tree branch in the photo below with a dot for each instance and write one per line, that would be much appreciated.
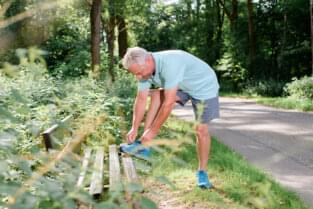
(26, 14)
(3, 8)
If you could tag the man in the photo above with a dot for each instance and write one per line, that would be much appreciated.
(182, 77)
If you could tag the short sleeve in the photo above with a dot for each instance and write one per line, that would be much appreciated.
(144, 85)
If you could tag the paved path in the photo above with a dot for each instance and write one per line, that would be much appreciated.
(275, 140)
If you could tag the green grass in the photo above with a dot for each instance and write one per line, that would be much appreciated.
(279, 102)
(238, 184)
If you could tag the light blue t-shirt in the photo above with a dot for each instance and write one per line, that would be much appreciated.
(179, 68)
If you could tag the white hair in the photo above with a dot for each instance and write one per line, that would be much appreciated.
(134, 55)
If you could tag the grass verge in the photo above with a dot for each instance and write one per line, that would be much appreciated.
(237, 184)
(305, 105)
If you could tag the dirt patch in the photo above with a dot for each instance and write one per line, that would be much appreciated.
(168, 198)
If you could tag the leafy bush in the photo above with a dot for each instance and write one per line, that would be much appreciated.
(68, 52)
(231, 75)
(269, 87)
(31, 101)
(300, 88)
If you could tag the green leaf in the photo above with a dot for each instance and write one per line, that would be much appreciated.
(6, 140)
(69, 204)
(7, 115)
(26, 201)
(18, 97)
(165, 181)
(53, 188)
(34, 128)
(106, 205)
(9, 188)
(82, 195)
(24, 110)
(134, 187)
(146, 203)
(10, 70)
(179, 161)
(3, 166)
(25, 166)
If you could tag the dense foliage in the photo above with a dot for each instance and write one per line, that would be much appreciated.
(301, 88)
(218, 33)
(32, 101)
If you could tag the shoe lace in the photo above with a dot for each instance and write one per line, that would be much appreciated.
(203, 177)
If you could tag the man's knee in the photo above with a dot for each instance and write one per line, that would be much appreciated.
(202, 130)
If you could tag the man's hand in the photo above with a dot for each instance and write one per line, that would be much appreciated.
(131, 136)
(148, 135)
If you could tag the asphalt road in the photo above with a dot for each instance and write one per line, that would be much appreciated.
(280, 142)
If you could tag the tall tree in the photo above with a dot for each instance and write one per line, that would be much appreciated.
(252, 35)
(231, 14)
(120, 15)
(311, 14)
(219, 30)
(95, 20)
(122, 35)
(109, 24)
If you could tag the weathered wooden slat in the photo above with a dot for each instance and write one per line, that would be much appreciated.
(84, 167)
(96, 184)
(114, 168)
(129, 169)
(132, 177)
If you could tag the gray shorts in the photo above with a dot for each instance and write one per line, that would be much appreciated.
(204, 110)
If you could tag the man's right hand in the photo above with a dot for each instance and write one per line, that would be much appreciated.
(131, 136)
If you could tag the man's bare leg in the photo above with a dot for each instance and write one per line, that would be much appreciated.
(154, 107)
(203, 145)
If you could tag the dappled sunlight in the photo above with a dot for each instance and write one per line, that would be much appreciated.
(278, 141)
(183, 196)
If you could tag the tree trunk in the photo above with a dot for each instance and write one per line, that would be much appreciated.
(110, 38)
(122, 36)
(189, 9)
(198, 4)
(311, 13)
(95, 19)
(252, 35)
(220, 22)
(109, 24)
(233, 15)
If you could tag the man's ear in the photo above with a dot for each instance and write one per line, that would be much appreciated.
(150, 61)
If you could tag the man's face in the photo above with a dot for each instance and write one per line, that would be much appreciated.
(142, 72)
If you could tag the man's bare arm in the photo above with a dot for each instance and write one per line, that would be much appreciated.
(139, 108)
(138, 114)
(155, 103)
(163, 113)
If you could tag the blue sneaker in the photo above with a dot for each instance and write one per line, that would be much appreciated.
(143, 153)
(130, 148)
(136, 149)
(203, 180)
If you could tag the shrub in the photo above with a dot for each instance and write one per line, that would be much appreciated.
(231, 75)
(269, 87)
(68, 52)
(300, 88)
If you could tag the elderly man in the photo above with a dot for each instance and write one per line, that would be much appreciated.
(182, 77)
